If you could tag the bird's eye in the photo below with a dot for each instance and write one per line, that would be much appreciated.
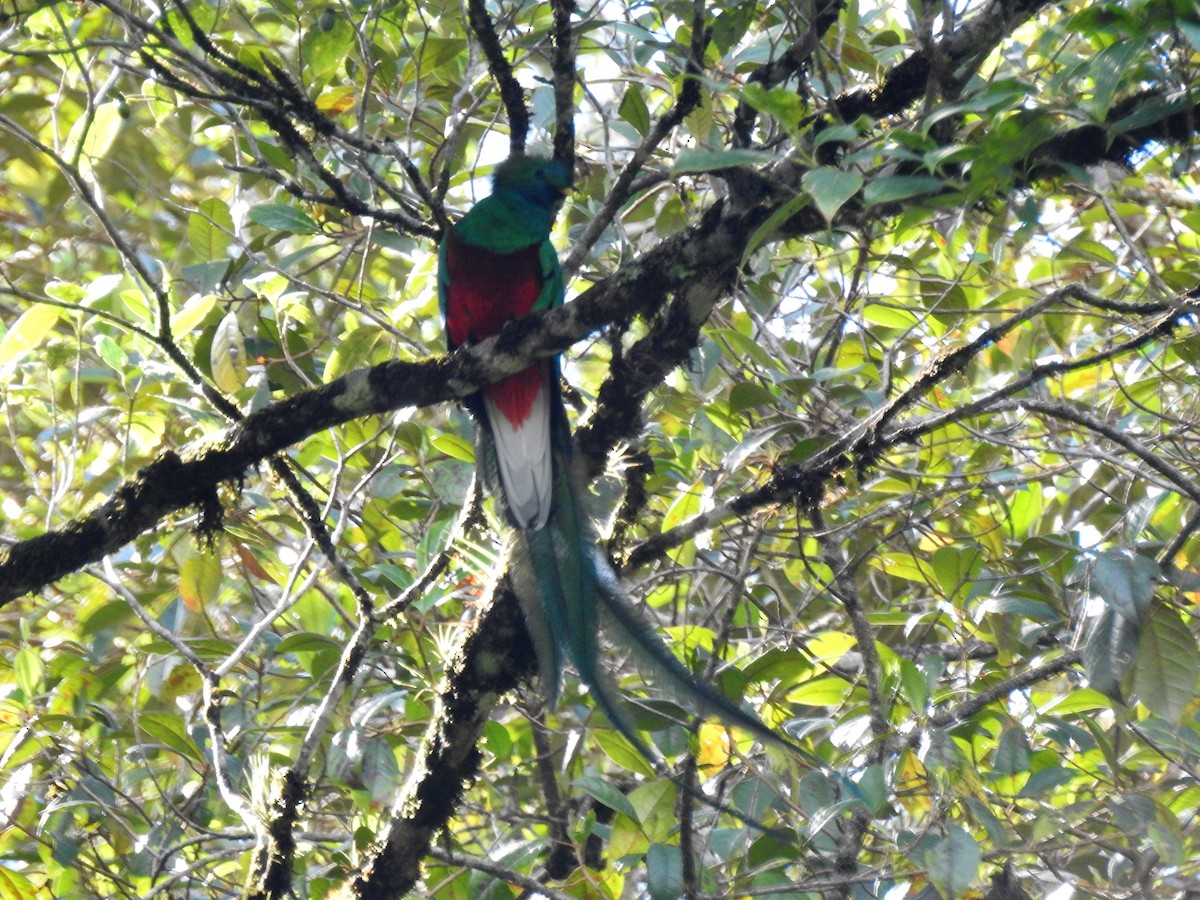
(541, 174)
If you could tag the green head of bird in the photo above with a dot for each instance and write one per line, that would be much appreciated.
(536, 180)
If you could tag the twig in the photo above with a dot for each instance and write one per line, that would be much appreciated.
(688, 99)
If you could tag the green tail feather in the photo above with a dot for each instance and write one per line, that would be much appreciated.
(568, 592)
(537, 580)
(630, 631)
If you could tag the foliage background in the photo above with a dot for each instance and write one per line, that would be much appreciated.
(890, 389)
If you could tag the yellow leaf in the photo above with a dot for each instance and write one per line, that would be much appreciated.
(830, 646)
(92, 135)
(26, 334)
(334, 100)
(906, 566)
(192, 313)
(912, 785)
(713, 755)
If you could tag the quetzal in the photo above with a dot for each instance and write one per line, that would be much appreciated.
(495, 264)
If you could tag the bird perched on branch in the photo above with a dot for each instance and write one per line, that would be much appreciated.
(494, 265)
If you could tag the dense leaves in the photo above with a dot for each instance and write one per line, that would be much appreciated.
(888, 391)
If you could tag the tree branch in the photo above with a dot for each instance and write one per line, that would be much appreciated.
(511, 92)
(564, 82)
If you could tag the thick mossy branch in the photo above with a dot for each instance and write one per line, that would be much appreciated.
(181, 481)
(492, 660)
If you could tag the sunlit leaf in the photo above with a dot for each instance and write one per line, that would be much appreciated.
(28, 669)
(15, 886)
(714, 747)
(26, 334)
(210, 229)
(200, 575)
(352, 351)
(227, 357)
(453, 446)
(820, 692)
(93, 134)
(193, 312)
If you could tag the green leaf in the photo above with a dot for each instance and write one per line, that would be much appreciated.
(200, 575)
(890, 316)
(352, 351)
(454, 446)
(28, 670)
(1012, 752)
(1168, 664)
(955, 567)
(830, 646)
(780, 103)
(1109, 650)
(748, 395)
(912, 680)
(1046, 780)
(66, 291)
(283, 218)
(773, 223)
(664, 872)
(1125, 581)
(695, 161)
(655, 805)
(953, 862)
(1109, 68)
(380, 773)
(325, 49)
(830, 188)
(620, 751)
(110, 351)
(731, 23)
(168, 730)
(633, 110)
(906, 566)
(873, 789)
(685, 506)
(607, 793)
(305, 641)
(100, 287)
(210, 229)
(821, 692)
(26, 334)
(891, 188)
